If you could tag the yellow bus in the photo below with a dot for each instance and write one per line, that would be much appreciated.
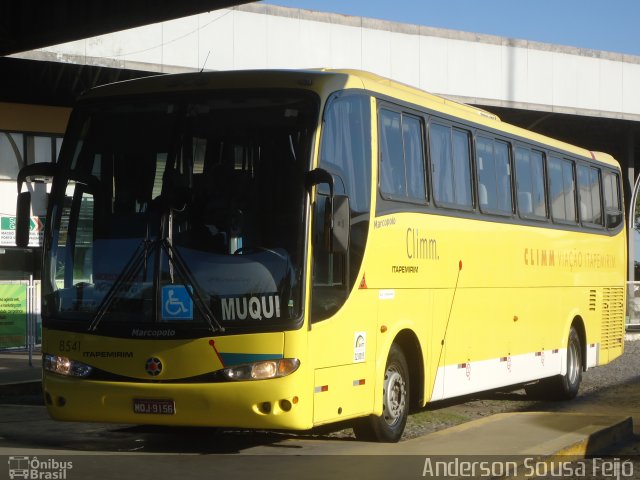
(288, 249)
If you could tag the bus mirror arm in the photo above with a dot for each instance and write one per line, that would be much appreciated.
(23, 218)
(46, 173)
(42, 171)
(316, 177)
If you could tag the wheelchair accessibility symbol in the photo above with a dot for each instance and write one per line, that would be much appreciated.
(176, 303)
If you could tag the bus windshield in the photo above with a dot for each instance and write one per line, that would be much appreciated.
(187, 212)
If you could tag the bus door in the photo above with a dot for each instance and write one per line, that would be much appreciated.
(342, 337)
(342, 344)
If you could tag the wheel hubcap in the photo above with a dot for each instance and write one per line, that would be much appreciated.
(572, 363)
(395, 394)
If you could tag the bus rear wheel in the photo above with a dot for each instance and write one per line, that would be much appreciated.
(395, 403)
(562, 387)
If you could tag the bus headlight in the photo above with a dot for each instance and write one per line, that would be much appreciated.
(65, 366)
(263, 370)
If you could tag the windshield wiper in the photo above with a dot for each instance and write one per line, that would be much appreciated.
(131, 269)
(139, 261)
(194, 293)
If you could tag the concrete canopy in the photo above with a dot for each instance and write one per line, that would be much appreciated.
(31, 24)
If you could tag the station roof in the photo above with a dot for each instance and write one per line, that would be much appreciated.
(54, 83)
(31, 24)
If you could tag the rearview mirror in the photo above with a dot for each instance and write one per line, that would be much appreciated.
(337, 212)
(316, 177)
(339, 220)
(23, 219)
(36, 171)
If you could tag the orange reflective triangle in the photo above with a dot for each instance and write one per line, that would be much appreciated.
(363, 283)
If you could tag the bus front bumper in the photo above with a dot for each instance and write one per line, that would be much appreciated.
(273, 404)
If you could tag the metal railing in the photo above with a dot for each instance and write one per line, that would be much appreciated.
(20, 320)
(632, 316)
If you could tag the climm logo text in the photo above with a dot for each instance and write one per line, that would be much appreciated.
(568, 259)
(420, 247)
(536, 256)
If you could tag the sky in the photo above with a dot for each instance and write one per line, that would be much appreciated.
(610, 25)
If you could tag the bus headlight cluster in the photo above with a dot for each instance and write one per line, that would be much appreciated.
(65, 366)
(263, 370)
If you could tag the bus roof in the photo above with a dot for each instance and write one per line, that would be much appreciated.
(326, 81)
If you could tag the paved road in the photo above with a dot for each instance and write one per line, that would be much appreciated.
(155, 452)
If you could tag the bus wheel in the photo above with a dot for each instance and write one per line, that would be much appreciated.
(570, 382)
(395, 403)
(562, 387)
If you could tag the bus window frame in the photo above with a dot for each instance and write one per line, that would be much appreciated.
(590, 166)
(617, 174)
(417, 115)
(532, 216)
(564, 158)
(386, 206)
(471, 134)
(509, 142)
(314, 214)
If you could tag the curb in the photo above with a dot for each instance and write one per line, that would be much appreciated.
(21, 388)
(599, 442)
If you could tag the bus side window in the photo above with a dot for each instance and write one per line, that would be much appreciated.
(530, 183)
(486, 174)
(503, 177)
(462, 168)
(524, 182)
(414, 157)
(494, 176)
(345, 152)
(612, 204)
(563, 191)
(440, 153)
(451, 167)
(538, 185)
(596, 201)
(392, 168)
(589, 188)
(401, 157)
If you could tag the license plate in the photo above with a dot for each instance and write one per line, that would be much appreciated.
(157, 407)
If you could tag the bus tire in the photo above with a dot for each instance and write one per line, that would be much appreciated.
(569, 383)
(389, 426)
(562, 387)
